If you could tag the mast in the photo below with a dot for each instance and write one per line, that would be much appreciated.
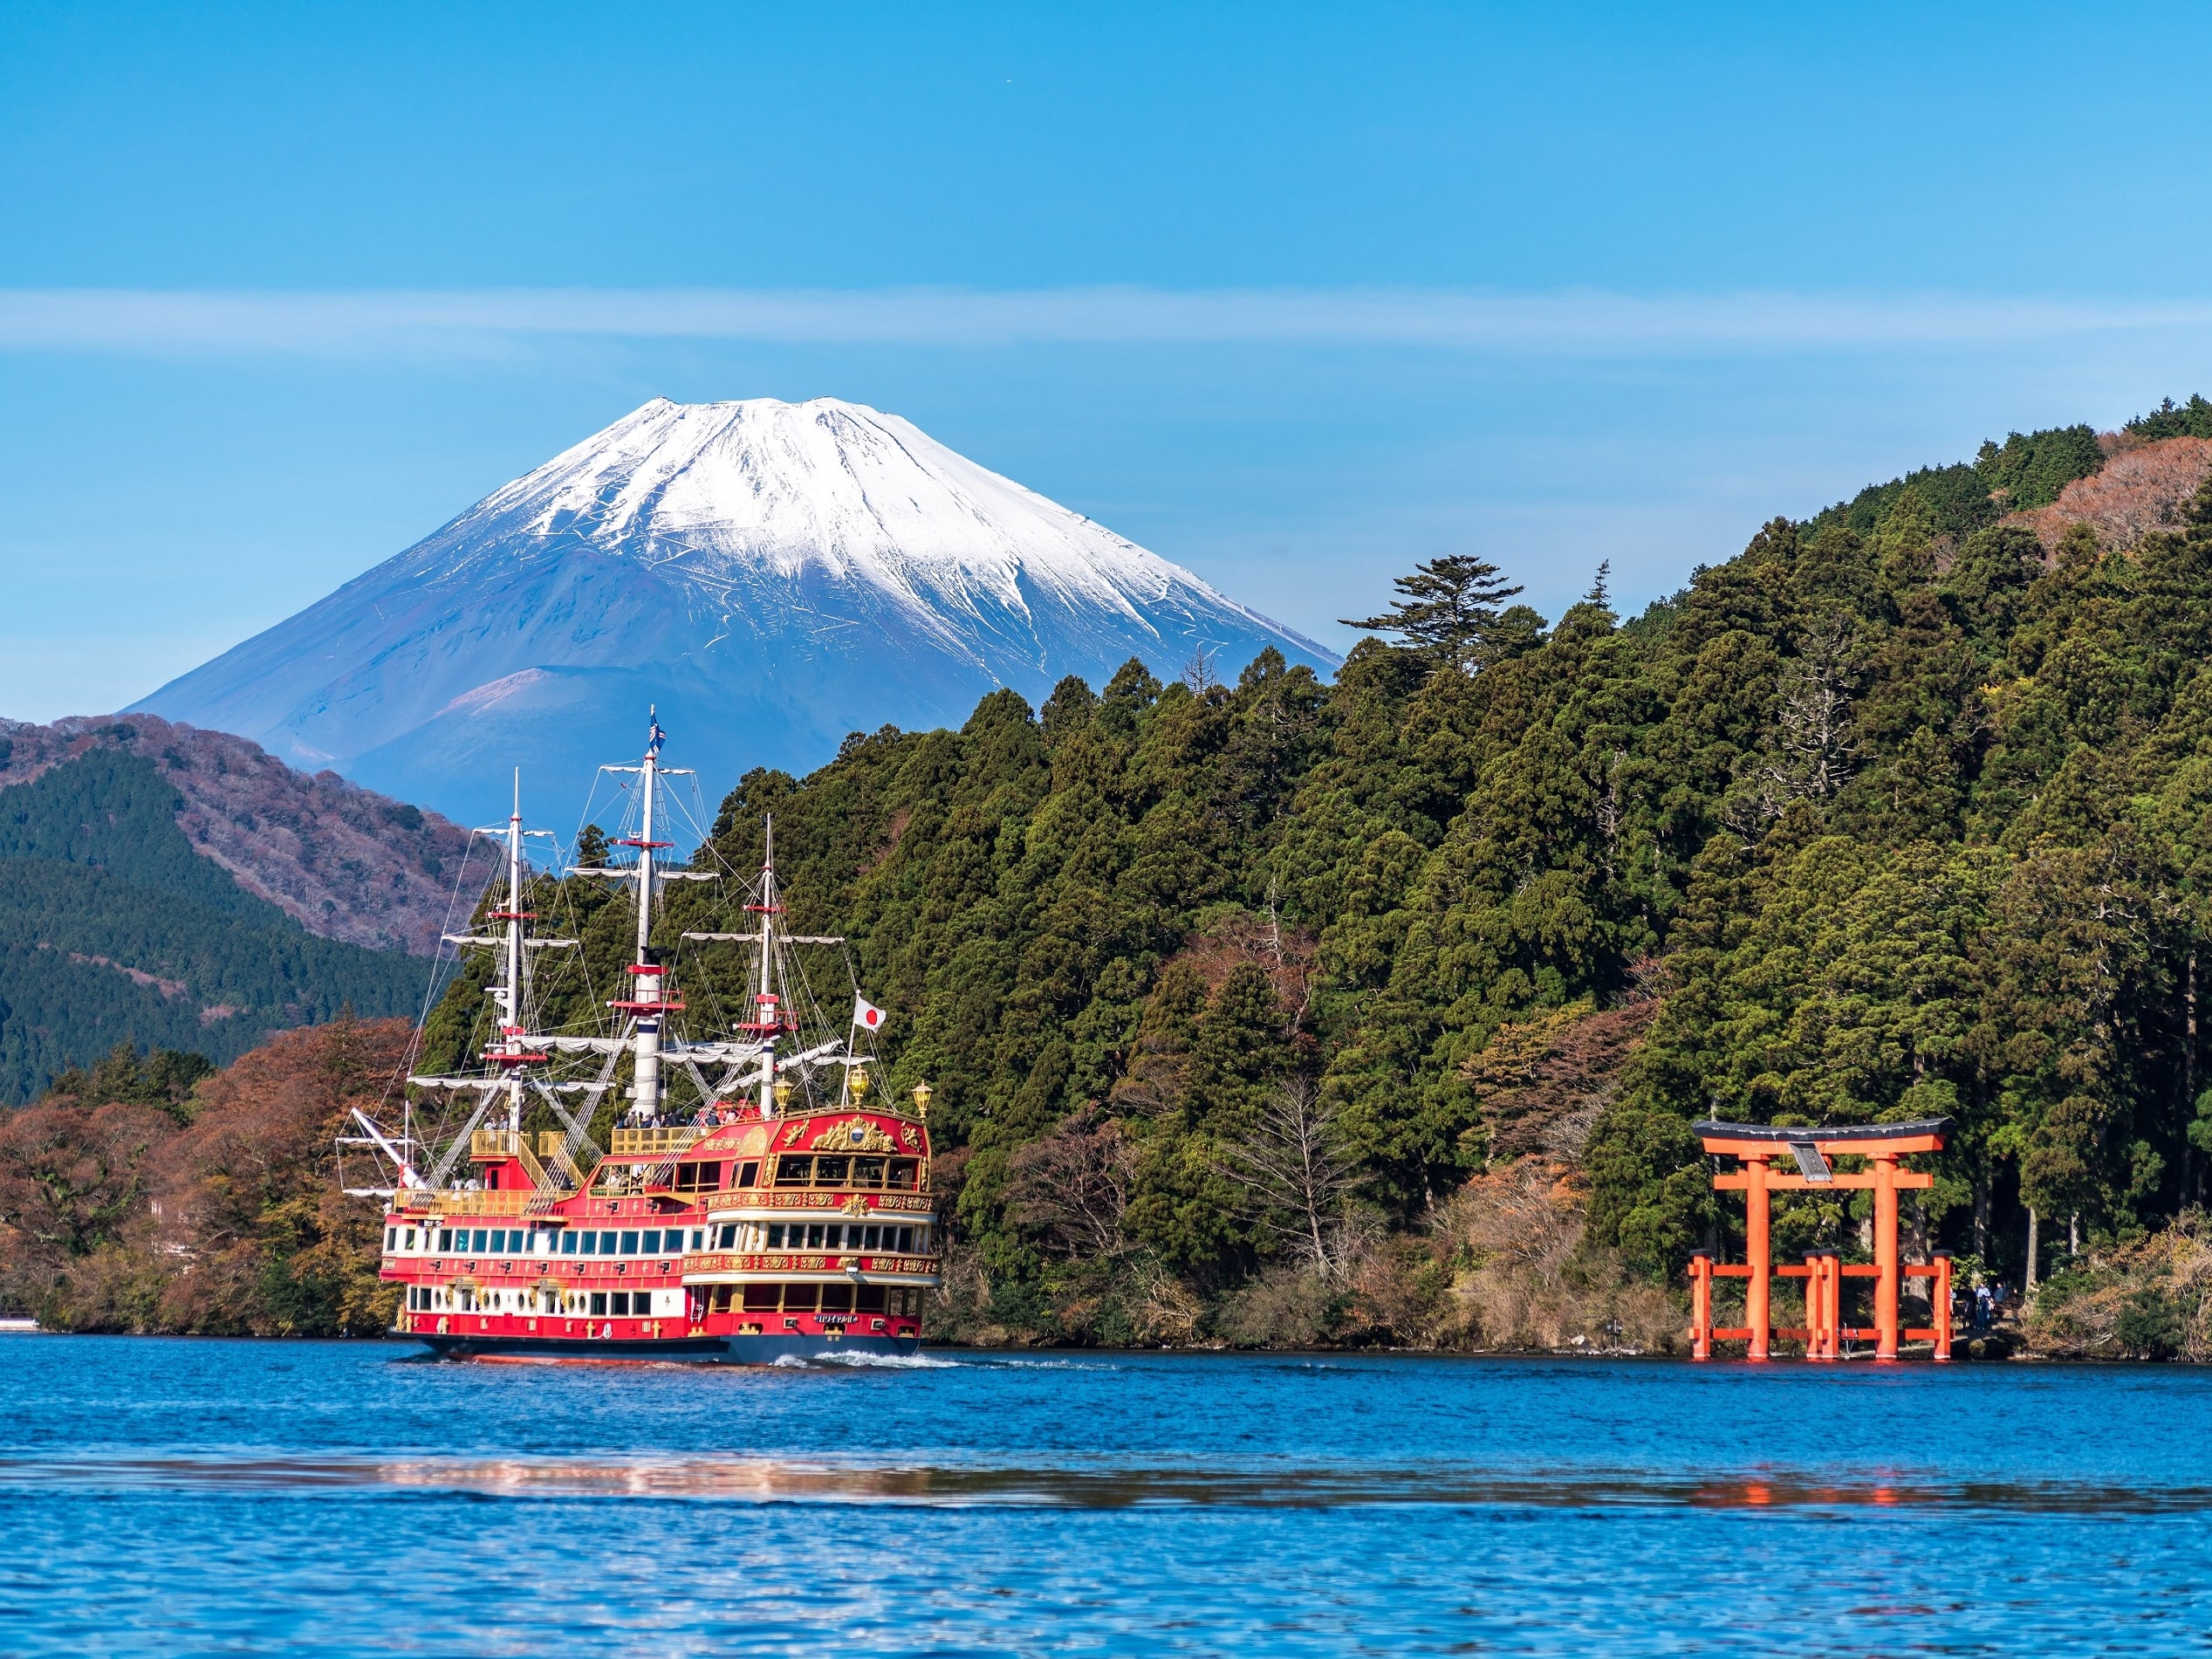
(512, 1049)
(510, 994)
(509, 1051)
(648, 999)
(767, 1018)
(646, 1089)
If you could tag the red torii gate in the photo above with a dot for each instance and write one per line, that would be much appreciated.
(1755, 1148)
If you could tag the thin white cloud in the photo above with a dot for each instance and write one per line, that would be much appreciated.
(1573, 322)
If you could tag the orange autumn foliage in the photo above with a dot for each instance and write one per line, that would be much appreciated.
(116, 1218)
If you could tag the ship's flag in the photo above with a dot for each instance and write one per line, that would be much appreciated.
(865, 1014)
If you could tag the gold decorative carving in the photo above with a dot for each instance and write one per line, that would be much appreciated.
(856, 1205)
(791, 1134)
(911, 1136)
(854, 1134)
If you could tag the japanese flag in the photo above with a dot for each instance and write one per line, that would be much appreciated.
(865, 1014)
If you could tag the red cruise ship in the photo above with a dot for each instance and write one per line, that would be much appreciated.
(756, 1201)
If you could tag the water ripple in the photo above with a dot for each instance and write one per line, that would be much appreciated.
(775, 1480)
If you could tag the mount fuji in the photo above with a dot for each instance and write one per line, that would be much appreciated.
(772, 575)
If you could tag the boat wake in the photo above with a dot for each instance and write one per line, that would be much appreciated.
(884, 1361)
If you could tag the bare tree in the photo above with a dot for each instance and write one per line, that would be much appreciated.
(1295, 1172)
(1074, 1183)
(1814, 745)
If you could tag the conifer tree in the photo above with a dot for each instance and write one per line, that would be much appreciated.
(1448, 610)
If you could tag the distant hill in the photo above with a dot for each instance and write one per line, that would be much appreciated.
(341, 860)
(118, 924)
(2124, 484)
(773, 576)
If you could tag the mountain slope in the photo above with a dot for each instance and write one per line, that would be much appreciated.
(342, 862)
(116, 930)
(772, 575)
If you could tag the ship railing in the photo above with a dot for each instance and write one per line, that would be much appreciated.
(503, 1144)
(659, 1142)
(457, 1201)
(804, 1261)
(887, 1200)
(552, 1150)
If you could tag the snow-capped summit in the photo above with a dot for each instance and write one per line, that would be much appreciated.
(773, 575)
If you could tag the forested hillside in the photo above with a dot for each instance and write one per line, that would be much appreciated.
(115, 929)
(344, 862)
(1379, 1010)
(1287, 1006)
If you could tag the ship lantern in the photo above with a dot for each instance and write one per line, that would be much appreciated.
(783, 1094)
(922, 1100)
(859, 1082)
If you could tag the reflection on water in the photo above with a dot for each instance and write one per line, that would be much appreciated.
(185, 1498)
(786, 1481)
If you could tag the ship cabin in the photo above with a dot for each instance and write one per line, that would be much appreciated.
(818, 1225)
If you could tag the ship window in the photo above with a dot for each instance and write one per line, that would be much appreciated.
(837, 1298)
(793, 1172)
(871, 1238)
(481, 1237)
(829, 1172)
(748, 1175)
(814, 1236)
(698, 1238)
(775, 1235)
(902, 1178)
(798, 1298)
(621, 1304)
(498, 1241)
(568, 1244)
(868, 1299)
(391, 1238)
(867, 1172)
(629, 1244)
(906, 1241)
(651, 1246)
(410, 1238)
(598, 1305)
(607, 1243)
(726, 1238)
(445, 1239)
(761, 1299)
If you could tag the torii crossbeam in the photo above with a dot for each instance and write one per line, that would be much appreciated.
(1755, 1148)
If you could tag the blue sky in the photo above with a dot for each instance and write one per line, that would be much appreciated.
(1293, 295)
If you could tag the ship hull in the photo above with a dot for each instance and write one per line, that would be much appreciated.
(789, 1347)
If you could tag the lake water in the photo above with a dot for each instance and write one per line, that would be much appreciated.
(337, 1498)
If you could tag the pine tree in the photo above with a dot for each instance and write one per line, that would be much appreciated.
(1448, 610)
